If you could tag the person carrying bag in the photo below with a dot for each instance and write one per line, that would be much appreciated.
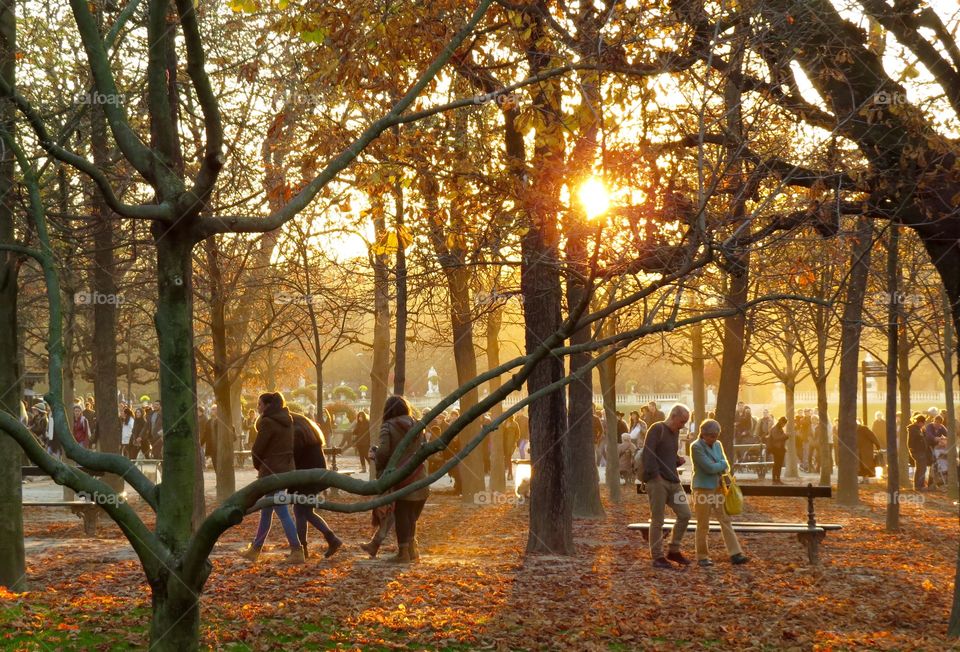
(711, 495)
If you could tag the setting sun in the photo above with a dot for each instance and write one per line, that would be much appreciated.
(594, 197)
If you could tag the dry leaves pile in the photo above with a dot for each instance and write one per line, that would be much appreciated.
(474, 588)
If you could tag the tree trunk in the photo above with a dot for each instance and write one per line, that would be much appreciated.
(893, 465)
(582, 468)
(903, 378)
(608, 388)
(12, 563)
(848, 462)
(175, 626)
(400, 343)
(103, 347)
(826, 452)
(697, 377)
(223, 438)
(791, 462)
(498, 480)
(551, 510)
(949, 349)
(380, 366)
(472, 480)
(174, 325)
(734, 354)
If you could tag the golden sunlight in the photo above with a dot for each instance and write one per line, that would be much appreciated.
(594, 197)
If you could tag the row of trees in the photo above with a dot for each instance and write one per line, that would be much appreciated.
(238, 141)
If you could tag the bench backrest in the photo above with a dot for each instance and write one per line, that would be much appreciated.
(772, 491)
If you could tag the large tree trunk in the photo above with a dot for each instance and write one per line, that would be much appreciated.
(848, 462)
(734, 354)
(12, 564)
(551, 510)
(175, 626)
(578, 443)
(103, 348)
(472, 480)
(176, 623)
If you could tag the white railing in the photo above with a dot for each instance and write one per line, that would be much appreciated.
(926, 398)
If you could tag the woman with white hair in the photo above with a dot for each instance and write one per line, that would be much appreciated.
(709, 465)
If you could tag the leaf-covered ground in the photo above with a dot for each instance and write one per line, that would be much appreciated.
(474, 588)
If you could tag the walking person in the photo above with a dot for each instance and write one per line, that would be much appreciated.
(866, 443)
(777, 446)
(709, 465)
(155, 430)
(660, 464)
(361, 439)
(396, 423)
(273, 454)
(308, 445)
(141, 440)
(919, 451)
(126, 434)
(81, 427)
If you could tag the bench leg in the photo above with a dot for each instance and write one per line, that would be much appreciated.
(89, 516)
(811, 541)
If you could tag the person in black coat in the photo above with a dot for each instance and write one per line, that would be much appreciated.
(273, 454)
(919, 451)
(397, 421)
(308, 442)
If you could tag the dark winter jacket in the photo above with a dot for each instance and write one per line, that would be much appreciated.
(866, 442)
(919, 450)
(273, 451)
(308, 450)
(392, 433)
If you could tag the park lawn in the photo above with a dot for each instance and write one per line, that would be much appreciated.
(474, 589)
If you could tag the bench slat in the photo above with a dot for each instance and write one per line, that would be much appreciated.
(771, 490)
(772, 528)
(826, 526)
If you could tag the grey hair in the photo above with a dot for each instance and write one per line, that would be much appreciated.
(679, 409)
(709, 427)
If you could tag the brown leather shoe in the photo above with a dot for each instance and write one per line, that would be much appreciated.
(250, 553)
(678, 557)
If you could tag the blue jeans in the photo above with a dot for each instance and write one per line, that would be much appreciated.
(304, 514)
(266, 521)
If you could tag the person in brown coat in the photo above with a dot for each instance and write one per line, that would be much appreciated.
(272, 454)
(396, 423)
(361, 439)
(866, 443)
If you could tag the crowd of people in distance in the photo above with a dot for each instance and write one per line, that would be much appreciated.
(141, 427)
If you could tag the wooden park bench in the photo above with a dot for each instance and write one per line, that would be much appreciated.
(760, 468)
(749, 453)
(809, 534)
(87, 510)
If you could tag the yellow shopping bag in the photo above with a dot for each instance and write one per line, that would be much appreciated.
(733, 502)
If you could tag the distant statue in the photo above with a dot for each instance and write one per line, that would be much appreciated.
(433, 382)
